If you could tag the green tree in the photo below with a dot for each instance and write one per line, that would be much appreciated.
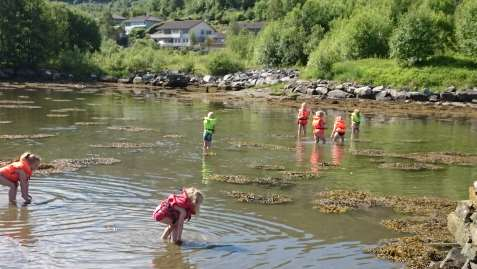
(193, 38)
(415, 39)
(24, 33)
(466, 27)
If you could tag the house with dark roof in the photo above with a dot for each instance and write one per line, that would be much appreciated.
(254, 27)
(117, 19)
(139, 22)
(186, 33)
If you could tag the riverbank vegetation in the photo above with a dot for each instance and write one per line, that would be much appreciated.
(401, 43)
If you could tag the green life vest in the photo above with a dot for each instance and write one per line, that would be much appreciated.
(355, 118)
(209, 124)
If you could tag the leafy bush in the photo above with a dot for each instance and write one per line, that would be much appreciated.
(466, 27)
(222, 64)
(415, 39)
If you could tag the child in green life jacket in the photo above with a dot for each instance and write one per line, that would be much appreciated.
(209, 129)
(355, 121)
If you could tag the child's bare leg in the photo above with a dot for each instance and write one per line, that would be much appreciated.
(12, 193)
(167, 232)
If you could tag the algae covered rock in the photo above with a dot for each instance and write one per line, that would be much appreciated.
(266, 199)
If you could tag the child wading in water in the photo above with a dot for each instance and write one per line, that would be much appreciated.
(19, 172)
(319, 127)
(355, 121)
(209, 129)
(303, 115)
(339, 130)
(174, 210)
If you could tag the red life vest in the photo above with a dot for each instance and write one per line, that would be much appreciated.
(303, 114)
(10, 171)
(183, 201)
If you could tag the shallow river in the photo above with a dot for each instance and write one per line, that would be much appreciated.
(100, 216)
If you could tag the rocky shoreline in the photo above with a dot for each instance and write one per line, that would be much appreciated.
(287, 79)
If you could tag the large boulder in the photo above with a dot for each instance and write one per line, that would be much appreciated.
(26, 73)
(418, 96)
(208, 79)
(448, 96)
(321, 90)
(7, 73)
(398, 95)
(138, 80)
(339, 94)
(383, 96)
(124, 80)
(466, 96)
(365, 92)
(176, 80)
(311, 91)
(108, 79)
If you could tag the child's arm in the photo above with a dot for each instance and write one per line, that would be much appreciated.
(177, 232)
(24, 186)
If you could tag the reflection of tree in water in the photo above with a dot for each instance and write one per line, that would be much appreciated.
(171, 258)
(14, 223)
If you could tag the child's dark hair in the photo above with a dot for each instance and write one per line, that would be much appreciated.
(29, 157)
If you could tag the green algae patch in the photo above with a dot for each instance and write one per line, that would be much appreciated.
(172, 136)
(30, 136)
(57, 115)
(410, 166)
(90, 123)
(449, 158)
(72, 165)
(268, 167)
(68, 109)
(16, 102)
(423, 217)
(124, 145)
(265, 199)
(250, 145)
(14, 106)
(244, 180)
(298, 175)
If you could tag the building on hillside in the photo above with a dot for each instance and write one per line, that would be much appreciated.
(187, 33)
(139, 22)
(254, 27)
(118, 19)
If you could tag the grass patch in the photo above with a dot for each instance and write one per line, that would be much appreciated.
(437, 74)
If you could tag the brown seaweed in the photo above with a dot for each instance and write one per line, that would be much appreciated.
(72, 165)
(32, 136)
(124, 145)
(129, 129)
(266, 199)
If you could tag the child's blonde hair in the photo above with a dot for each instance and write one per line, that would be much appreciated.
(195, 196)
(303, 105)
(29, 157)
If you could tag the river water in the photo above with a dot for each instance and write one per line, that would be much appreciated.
(100, 216)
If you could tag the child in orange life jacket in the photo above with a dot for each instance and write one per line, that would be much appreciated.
(19, 172)
(303, 115)
(319, 127)
(174, 210)
(339, 130)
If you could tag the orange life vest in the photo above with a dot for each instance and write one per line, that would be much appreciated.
(318, 123)
(340, 126)
(10, 171)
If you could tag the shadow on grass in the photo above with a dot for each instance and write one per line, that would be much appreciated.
(449, 61)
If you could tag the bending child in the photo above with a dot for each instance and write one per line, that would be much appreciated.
(339, 130)
(174, 210)
(19, 172)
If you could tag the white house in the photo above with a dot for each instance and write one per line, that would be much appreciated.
(185, 33)
(139, 22)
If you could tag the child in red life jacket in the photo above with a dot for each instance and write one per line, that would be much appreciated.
(19, 172)
(303, 115)
(174, 210)
(339, 130)
(319, 127)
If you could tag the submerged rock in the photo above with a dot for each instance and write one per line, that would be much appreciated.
(266, 199)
